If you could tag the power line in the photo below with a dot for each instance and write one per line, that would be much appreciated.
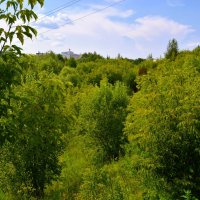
(85, 16)
(62, 7)
(55, 10)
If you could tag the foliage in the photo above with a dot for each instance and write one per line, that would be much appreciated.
(188, 195)
(64, 129)
(112, 182)
(114, 70)
(78, 158)
(101, 116)
(138, 61)
(90, 57)
(164, 122)
(11, 13)
(72, 62)
(38, 135)
(9, 75)
(172, 50)
(49, 62)
(70, 76)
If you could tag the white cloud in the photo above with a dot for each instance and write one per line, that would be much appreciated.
(53, 22)
(107, 33)
(175, 3)
(112, 1)
(151, 27)
(192, 45)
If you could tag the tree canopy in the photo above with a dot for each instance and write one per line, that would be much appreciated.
(96, 128)
(172, 49)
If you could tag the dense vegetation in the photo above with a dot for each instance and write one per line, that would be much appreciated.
(97, 128)
(106, 129)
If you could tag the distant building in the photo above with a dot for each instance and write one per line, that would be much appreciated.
(70, 54)
(39, 53)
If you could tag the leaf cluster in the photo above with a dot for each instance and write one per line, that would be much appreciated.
(12, 13)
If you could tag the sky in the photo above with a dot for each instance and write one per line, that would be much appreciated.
(131, 28)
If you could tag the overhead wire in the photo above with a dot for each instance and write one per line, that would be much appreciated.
(85, 16)
(79, 18)
(62, 7)
(57, 9)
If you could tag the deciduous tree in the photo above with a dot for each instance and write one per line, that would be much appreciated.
(172, 49)
(164, 125)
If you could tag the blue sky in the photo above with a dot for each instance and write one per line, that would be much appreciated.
(133, 28)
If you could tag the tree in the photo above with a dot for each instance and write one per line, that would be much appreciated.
(150, 57)
(163, 123)
(87, 57)
(11, 12)
(172, 50)
(31, 116)
(102, 113)
(72, 62)
(39, 125)
(9, 75)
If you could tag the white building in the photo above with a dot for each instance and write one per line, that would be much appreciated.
(70, 54)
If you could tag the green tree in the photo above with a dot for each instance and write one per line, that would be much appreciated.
(172, 50)
(150, 57)
(102, 113)
(9, 76)
(72, 62)
(39, 124)
(70, 76)
(163, 124)
(11, 12)
(88, 57)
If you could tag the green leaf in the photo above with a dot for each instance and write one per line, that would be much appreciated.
(15, 10)
(32, 3)
(13, 4)
(20, 3)
(28, 34)
(1, 30)
(35, 16)
(16, 48)
(32, 14)
(6, 47)
(12, 19)
(3, 16)
(20, 36)
(27, 14)
(2, 39)
(11, 35)
(1, 1)
(34, 31)
(41, 2)
(21, 15)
